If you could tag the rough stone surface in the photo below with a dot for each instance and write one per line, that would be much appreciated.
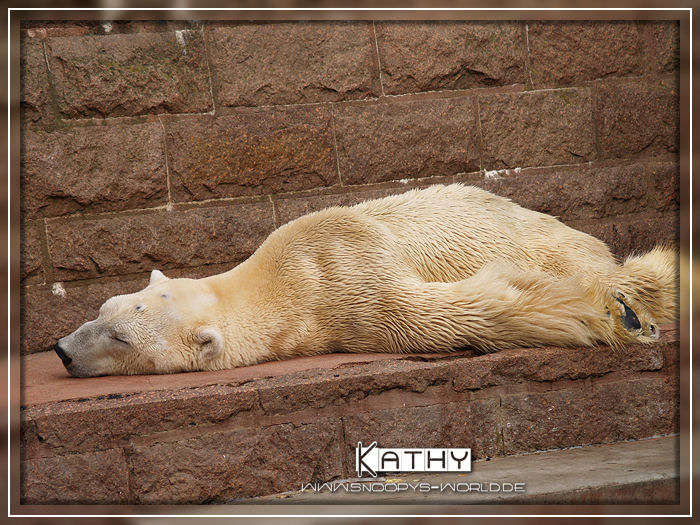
(587, 192)
(236, 464)
(46, 316)
(404, 140)
(662, 45)
(317, 390)
(35, 101)
(634, 233)
(666, 186)
(133, 74)
(79, 425)
(566, 53)
(672, 361)
(257, 64)
(607, 412)
(537, 129)
(30, 254)
(289, 208)
(431, 56)
(638, 117)
(92, 478)
(553, 364)
(138, 243)
(93, 169)
(468, 424)
(251, 153)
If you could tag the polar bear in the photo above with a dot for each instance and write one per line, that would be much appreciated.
(430, 270)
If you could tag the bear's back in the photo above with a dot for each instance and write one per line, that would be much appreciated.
(447, 233)
(440, 234)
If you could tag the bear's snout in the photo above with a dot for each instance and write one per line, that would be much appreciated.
(64, 358)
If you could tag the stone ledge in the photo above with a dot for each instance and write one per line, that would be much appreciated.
(214, 436)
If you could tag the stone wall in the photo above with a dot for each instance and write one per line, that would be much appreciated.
(181, 146)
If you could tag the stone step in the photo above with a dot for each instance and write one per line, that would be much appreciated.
(266, 429)
(631, 472)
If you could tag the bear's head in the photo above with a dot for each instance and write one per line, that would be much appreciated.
(159, 329)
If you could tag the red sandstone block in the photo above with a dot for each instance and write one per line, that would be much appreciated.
(638, 117)
(91, 478)
(566, 53)
(538, 128)
(672, 360)
(30, 254)
(553, 364)
(605, 413)
(432, 56)
(662, 45)
(126, 244)
(45, 316)
(256, 64)
(587, 192)
(404, 140)
(35, 102)
(77, 426)
(635, 233)
(220, 466)
(326, 388)
(93, 169)
(250, 153)
(466, 424)
(134, 74)
(665, 179)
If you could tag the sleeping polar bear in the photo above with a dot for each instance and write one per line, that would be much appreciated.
(430, 270)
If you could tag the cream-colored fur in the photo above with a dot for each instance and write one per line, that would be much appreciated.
(430, 270)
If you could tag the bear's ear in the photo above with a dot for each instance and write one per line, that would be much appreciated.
(210, 341)
(157, 276)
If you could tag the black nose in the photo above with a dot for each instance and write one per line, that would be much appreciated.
(66, 360)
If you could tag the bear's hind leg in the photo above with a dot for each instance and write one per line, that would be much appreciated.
(502, 306)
